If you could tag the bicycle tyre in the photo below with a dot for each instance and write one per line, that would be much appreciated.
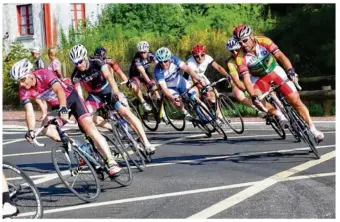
(128, 143)
(121, 159)
(38, 213)
(277, 127)
(144, 116)
(170, 113)
(61, 173)
(229, 111)
(303, 129)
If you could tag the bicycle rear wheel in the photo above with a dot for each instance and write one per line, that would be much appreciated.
(23, 192)
(175, 117)
(231, 115)
(76, 172)
(149, 119)
(303, 129)
(124, 177)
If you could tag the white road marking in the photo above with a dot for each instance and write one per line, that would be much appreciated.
(258, 187)
(173, 194)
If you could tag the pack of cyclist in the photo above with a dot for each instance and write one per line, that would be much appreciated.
(252, 66)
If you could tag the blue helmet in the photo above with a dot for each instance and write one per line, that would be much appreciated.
(232, 44)
(163, 54)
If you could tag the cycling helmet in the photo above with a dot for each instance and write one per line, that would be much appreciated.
(101, 52)
(77, 53)
(35, 49)
(232, 44)
(242, 31)
(21, 69)
(198, 49)
(143, 46)
(163, 54)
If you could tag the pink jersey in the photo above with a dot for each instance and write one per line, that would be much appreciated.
(43, 89)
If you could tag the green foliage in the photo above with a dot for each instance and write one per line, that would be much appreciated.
(333, 111)
(10, 87)
(315, 109)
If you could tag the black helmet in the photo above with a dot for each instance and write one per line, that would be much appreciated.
(101, 52)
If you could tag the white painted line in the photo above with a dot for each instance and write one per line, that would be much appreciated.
(258, 187)
(308, 176)
(25, 154)
(173, 194)
(32, 177)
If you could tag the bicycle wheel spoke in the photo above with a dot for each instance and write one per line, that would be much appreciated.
(230, 114)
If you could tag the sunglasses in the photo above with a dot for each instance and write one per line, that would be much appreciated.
(79, 62)
(142, 52)
(22, 80)
(164, 61)
(199, 55)
(243, 41)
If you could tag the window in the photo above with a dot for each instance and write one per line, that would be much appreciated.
(25, 19)
(77, 13)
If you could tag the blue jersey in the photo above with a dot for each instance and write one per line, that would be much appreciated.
(170, 77)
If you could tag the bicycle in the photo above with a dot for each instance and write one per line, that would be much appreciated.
(202, 116)
(298, 126)
(78, 161)
(231, 115)
(122, 134)
(21, 188)
(162, 110)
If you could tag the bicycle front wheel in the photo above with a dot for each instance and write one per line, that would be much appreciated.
(23, 192)
(124, 177)
(174, 116)
(303, 130)
(76, 172)
(230, 113)
(148, 118)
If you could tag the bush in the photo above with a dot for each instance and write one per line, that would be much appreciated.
(333, 110)
(10, 87)
(315, 109)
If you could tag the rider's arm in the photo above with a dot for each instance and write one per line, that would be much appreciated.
(238, 83)
(77, 86)
(282, 58)
(219, 68)
(108, 75)
(56, 87)
(191, 72)
(141, 70)
(122, 75)
(165, 89)
(247, 83)
(29, 116)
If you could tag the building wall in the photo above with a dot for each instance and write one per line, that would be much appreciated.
(60, 18)
(10, 25)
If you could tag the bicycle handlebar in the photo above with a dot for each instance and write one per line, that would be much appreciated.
(215, 83)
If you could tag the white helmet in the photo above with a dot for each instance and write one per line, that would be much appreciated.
(163, 54)
(21, 69)
(233, 44)
(36, 49)
(78, 53)
(143, 46)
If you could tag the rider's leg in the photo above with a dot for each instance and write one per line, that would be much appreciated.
(241, 97)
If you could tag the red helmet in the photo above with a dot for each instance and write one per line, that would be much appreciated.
(242, 31)
(198, 49)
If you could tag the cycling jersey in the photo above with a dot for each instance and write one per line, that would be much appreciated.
(138, 61)
(262, 62)
(43, 88)
(172, 77)
(92, 78)
(55, 65)
(201, 68)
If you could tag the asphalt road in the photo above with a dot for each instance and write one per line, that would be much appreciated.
(252, 175)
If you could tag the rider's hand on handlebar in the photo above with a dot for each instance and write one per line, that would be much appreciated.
(63, 113)
(29, 136)
(150, 85)
(256, 101)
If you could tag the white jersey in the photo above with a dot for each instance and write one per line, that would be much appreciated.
(200, 69)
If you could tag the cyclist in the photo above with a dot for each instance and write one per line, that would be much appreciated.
(39, 64)
(45, 85)
(258, 58)
(8, 207)
(94, 75)
(139, 72)
(167, 74)
(199, 62)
